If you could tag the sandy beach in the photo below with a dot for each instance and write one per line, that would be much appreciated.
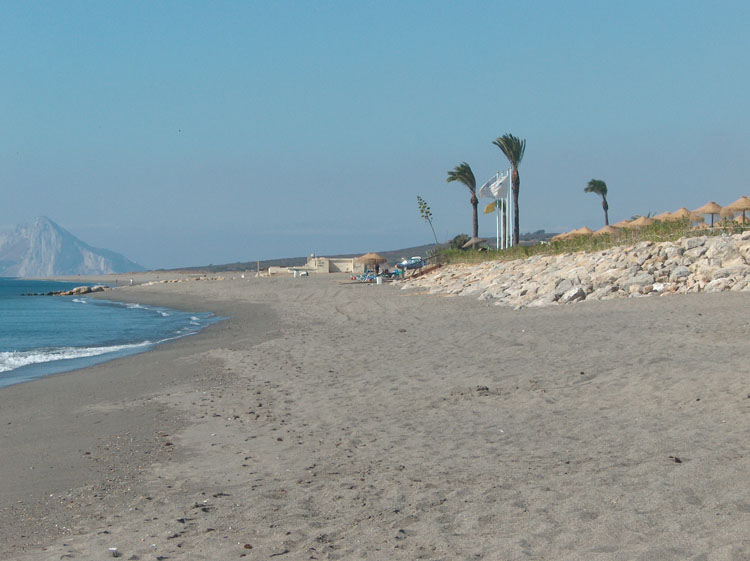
(334, 420)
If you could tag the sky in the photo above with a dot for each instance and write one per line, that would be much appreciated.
(193, 133)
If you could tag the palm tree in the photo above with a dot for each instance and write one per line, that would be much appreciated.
(600, 188)
(463, 173)
(513, 148)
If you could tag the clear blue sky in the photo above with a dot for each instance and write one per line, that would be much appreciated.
(187, 133)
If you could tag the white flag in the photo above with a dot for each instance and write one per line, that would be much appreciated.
(485, 191)
(500, 187)
(495, 188)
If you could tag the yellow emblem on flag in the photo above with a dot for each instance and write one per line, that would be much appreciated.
(490, 207)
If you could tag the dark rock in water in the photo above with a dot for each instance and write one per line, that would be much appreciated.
(44, 249)
(79, 290)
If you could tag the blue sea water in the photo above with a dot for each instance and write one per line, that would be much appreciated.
(42, 335)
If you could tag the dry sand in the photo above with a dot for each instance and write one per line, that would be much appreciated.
(328, 420)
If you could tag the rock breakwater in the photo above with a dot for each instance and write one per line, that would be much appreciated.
(699, 264)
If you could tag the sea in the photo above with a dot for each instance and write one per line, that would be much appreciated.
(43, 335)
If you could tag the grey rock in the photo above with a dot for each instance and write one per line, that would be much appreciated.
(573, 295)
(679, 272)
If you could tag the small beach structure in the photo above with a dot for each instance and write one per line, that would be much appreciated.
(606, 230)
(582, 231)
(473, 242)
(371, 260)
(681, 214)
(640, 222)
(560, 237)
(740, 205)
(663, 216)
(711, 208)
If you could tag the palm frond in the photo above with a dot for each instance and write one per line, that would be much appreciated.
(596, 186)
(513, 148)
(463, 174)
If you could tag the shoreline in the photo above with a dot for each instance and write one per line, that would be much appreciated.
(334, 420)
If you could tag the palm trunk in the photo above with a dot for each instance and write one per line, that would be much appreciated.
(516, 183)
(605, 206)
(475, 223)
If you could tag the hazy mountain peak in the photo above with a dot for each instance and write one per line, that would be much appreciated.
(44, 249)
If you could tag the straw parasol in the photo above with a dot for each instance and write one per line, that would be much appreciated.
(621, 224)
(584, 231)
(742, 219)
(640, 222)
(680, 214)
(663, 216)
(371, 258)
(740, 205)
(473, 242)
(606, 230)
(560, 237)
(709, 208)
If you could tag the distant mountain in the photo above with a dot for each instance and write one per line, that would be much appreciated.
(44, 249)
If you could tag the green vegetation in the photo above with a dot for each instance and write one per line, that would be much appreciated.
(513, 148)
(426, 214)
(657, 232)
(463, 174)
(600, 188)
(458, 242)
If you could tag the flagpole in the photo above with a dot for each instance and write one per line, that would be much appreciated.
(497, 226)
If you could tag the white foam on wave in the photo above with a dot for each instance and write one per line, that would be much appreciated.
(79, 300)
(10, 360)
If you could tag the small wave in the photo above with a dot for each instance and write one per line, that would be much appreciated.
(79, 300)
(10, 360)
(136, 307)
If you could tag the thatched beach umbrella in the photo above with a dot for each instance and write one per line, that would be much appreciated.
(742, 219)
(640, 222)
(583, 231)
(560, 237)
(709, 208)
(681, 214)
(473, 242)
(606, 230)
(740, 205)
(371, 258)
(663, 216)
(621, 224)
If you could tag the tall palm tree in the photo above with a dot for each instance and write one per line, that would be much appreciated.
(600, 188)
(463, 174)
(513, 148)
